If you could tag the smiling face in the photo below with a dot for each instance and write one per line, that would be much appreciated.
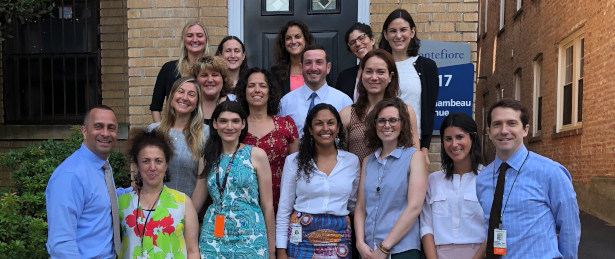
(506, 131)
(229, 126)
(294, 40)
(359, 43)
(210, 81)
(152, 166)
(257, 90)
(315, 68)
(388, 125)
(376, 75)
(185, 99)
(195, 39)
(233, 54)
(100, 132)
(398, 34)
(457, 144)
(324, 128)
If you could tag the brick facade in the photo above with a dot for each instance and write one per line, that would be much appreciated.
(537, 30)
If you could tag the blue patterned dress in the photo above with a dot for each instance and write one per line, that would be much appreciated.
(245, 234)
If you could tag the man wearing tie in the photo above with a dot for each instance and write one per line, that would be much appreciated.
(527, 199)
(315, 67)
(82, 210)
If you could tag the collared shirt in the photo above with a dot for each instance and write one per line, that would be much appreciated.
(334, 194)
(541, 204)
(297, 103)
(451, 212)
(386, 197)
(79, 209)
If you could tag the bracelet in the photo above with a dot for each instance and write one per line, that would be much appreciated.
(383, 250)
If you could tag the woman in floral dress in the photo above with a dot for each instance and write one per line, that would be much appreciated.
(240, 222)
(259, 95)
(157, 222)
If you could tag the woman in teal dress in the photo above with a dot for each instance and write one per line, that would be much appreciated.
(240, 222)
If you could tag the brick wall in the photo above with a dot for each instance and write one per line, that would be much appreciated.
(537, 29)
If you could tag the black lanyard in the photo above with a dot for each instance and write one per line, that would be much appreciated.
(222, 186)
(511, 187)
(151, 209)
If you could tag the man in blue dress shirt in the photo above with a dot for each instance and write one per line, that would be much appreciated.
(538, 201)
(78, 203)
(315, 67)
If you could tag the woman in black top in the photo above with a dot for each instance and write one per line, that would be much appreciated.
(292, 39)
(359, 41)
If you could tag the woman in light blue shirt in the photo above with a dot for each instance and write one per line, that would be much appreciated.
(390, 197)
(452, 224)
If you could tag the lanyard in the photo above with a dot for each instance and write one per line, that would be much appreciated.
(511, 187)
(139, 209)
(222, 186)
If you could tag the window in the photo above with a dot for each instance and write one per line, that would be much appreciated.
(502, 7)
(537, 100)
(518, 85)
(499, 94)
(54, 66)
(486, 5)
(570, 81)
(519, 4)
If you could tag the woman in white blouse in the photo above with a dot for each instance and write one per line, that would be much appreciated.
(318, 191)
(452, 224)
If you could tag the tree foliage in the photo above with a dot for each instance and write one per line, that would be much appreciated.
(21, 11)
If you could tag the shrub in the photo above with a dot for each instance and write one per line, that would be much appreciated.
(21, 11)
(23, 211)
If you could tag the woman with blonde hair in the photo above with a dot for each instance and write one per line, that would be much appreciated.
(183, 122)
(194, 44)
(215, 81)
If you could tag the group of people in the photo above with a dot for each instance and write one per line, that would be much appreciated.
(247, 163)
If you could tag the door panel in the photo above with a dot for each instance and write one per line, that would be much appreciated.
(328, 30)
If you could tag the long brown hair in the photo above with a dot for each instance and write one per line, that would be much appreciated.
(391, 91)
(281, 55)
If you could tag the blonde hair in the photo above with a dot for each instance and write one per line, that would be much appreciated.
(214, 63)
(183, 65)
(193, 131)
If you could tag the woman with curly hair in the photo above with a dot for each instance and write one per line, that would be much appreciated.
(216, 85)
(390, 197)
(318, 191)
(259, 95)
(194, 44)
(232, 50)
(452, 224)
(183, 123)
(418, 76)
(292, 38)
(157, 221)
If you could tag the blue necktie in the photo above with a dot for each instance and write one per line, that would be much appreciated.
(312, 97)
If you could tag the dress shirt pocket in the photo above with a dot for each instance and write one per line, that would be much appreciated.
(471, 206)
(439, 206)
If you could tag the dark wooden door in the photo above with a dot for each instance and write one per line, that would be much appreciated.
(327, 24)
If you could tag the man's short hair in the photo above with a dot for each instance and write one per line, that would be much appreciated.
(314, 47)
(513, 104)
(99, 106)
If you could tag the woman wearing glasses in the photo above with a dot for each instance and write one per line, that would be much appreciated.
(359, 41)
(390, 198)
(379, 81)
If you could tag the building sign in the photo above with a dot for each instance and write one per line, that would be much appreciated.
(456, 76)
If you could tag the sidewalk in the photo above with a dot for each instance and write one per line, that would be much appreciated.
(597, 238)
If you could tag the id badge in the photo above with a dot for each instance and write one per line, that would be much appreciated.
(219, 226)
(296, 233)
(499, 241)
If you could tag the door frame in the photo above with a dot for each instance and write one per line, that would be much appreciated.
(235, 19)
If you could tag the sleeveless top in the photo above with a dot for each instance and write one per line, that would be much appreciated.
(164, 230)
(356, 132)
(383, 209)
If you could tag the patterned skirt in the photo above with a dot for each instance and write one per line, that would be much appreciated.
(323, 236)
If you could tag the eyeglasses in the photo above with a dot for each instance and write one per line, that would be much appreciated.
(392, 121)
(361, 38)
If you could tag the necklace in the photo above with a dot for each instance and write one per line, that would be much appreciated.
(139, 209)
(222, 186)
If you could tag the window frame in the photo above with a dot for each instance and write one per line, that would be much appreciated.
(576, 41)
(517, 84)
(537, 96)
(519, 5)
(502, 12)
